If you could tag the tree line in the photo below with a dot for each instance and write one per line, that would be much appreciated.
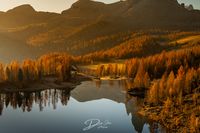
(113, 70)
(157, 65)
(57, 64)
(135, 44)
(146, 69)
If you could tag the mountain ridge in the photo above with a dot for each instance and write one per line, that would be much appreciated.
(140, 12)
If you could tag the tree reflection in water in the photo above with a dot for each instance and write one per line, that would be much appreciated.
(87, 91)
(132, 104)
(25, 100)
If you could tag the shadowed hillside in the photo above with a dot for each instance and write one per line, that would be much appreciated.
(80, 29)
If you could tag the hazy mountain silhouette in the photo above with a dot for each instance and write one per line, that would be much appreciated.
(85, 9)
(23, 15)
(142, 12)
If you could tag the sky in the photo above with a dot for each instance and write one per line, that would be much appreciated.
(60, 5)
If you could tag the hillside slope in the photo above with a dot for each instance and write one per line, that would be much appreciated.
(82, 29)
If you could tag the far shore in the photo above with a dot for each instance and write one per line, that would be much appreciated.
(110, 78)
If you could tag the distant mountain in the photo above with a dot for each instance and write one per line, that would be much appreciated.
(85, 9)
(165, 13)
(136, 12)
(86, 26)
(22, 16)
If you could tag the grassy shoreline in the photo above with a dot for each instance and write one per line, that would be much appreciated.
(179, 119)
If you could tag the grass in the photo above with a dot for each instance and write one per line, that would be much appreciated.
(187, 39)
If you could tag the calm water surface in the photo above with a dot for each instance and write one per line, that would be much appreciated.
(92, 107)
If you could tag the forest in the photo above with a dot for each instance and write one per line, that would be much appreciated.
(171, 80)
(53, 64)
(165, 65)
(140, 44)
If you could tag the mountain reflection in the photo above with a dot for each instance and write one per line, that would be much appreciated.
(25, 100)
(87, 91)
(114, 90)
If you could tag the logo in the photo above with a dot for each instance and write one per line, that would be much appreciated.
(96, 123)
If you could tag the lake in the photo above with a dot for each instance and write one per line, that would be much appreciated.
(92, 107)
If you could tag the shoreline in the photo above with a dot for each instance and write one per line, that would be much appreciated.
(177, 118)
(48, 82)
